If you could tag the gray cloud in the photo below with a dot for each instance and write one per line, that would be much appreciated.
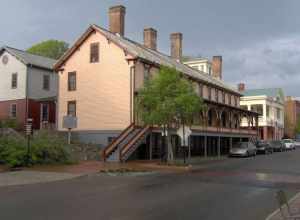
(258, 39)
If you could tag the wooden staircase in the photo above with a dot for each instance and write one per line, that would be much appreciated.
(125, 144)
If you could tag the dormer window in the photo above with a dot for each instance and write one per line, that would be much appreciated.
(94, 53)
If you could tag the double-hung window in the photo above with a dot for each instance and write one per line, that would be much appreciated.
(72, 108)
(14, 80)
(46, 82)
(13, 111)
(94, 53)
(72, 81)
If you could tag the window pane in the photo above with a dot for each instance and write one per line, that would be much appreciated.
(94, 56)
(13, 111)
(46, 82)
(72, 108)
(72, 81)
(14, 80)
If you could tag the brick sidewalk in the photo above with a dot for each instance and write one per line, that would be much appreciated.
(294, 205)
(90, 167)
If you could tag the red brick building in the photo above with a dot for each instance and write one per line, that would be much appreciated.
(292, 116)
(28, 88)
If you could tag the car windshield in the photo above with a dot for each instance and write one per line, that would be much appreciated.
(242, 145)
(275, 142)
(287, 141)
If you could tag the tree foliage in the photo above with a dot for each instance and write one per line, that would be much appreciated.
(52, 49)
(168, 98)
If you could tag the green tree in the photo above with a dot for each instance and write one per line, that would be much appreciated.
(52, 49)
(166, 99)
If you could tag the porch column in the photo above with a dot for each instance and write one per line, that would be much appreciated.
(150, 147)
(219, 146)
(265, 133)
(205, 146)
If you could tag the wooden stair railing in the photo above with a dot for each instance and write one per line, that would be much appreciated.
(111, 147)
(134, 140)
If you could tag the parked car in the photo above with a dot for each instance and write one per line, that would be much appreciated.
(297, 143)
(264, 147)
(289, 144)
(277, 146)
(243, 149)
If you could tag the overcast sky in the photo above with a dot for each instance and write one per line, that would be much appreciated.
(258, 39)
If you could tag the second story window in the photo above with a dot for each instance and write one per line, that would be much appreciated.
(268, 111)
(72, 108)
(209, 93)
(146, 72)
(229, 99)
(278, 114)
(235, 101)
(46, 82)
(223, 97)
(216, 95)
(200, 90)
(14, 80)
(72, 81)
(13, 111)
(94, 53)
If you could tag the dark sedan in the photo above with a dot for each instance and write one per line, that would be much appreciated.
(264, 147)
(277, 146)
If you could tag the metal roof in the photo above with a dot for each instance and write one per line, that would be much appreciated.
(30, 59)
(140, 51)
(270, 92)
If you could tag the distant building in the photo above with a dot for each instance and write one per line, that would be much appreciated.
(292, 116)
(269, 103)
(201, 64)
(204, 65)
(28, 87)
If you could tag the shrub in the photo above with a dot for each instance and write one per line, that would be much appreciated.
(46, 148)
(12, 151)
(50, 148)
(9, 123)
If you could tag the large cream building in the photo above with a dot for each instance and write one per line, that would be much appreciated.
(269, 103)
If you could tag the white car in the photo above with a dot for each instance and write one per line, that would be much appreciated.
(297, 143)
(289, 144)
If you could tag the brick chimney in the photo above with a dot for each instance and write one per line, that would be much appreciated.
(150, 38)
(117, 19)
(176, 46)
(217, 67)
(241, 87)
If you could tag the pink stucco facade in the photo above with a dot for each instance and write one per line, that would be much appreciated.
(104, 89)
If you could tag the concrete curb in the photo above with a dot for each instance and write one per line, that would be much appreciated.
(278, 210)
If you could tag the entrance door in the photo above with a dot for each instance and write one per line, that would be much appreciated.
(44, 114)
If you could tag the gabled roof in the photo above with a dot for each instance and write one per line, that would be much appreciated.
(140, 51)
(270, 92)
(30, 59)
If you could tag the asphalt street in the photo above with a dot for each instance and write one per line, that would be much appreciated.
(234, 189)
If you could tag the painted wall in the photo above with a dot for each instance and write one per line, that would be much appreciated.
(6, 71)
(103, 89)
(35, 83)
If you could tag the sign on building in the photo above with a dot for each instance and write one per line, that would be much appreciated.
(184, 132)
